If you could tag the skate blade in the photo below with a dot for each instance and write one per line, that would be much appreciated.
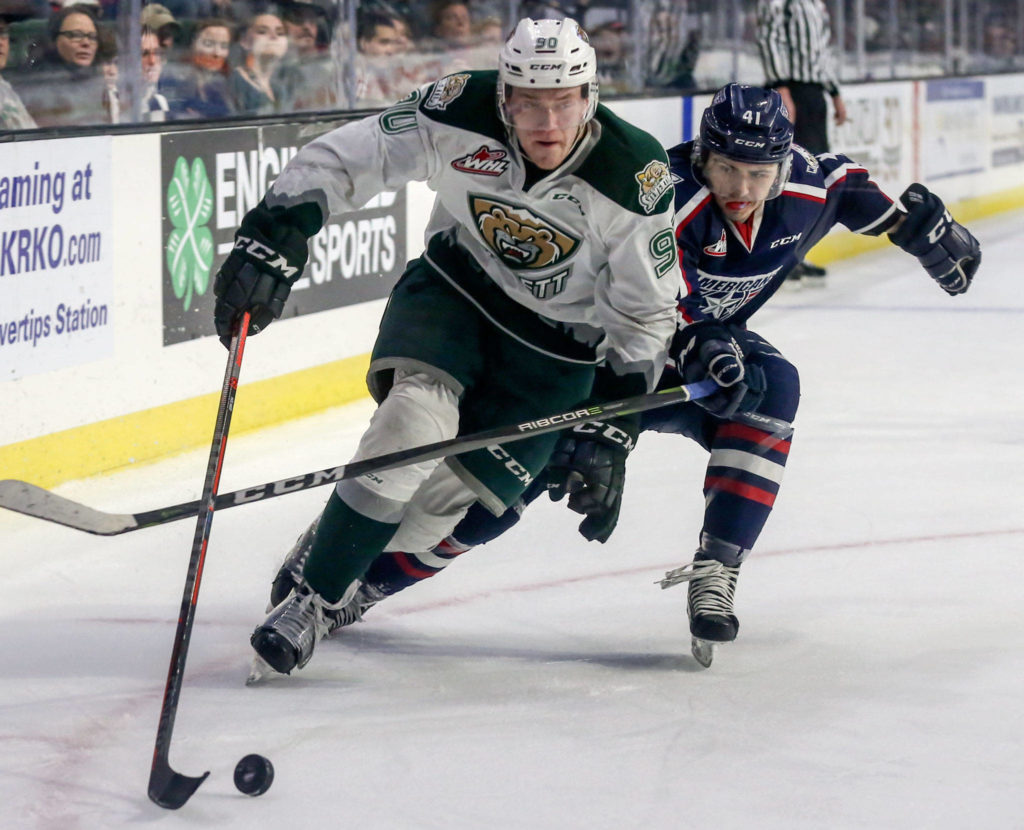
(259, 671)
(703, 651)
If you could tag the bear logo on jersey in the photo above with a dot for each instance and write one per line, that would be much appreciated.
(654, 181)
(445, 91)
(520, 237)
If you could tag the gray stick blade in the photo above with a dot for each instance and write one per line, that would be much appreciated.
(31, 500)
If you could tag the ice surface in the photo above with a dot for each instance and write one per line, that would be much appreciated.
(546, 682)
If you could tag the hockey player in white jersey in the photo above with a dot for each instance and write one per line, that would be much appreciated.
(549, 253)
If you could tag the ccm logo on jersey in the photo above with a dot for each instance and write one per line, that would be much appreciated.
(486, 161)
(786, 240)
(514, 467)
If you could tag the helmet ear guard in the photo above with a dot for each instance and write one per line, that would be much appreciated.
(547, 54)
(748, 124)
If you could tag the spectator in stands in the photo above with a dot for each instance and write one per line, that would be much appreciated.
(13, 115)
(157, 19)
(154, 103)
(65, 86)
(451, 24)
(489, 31)
(307, 76)
(999, 46)
(609, 42)
(198, 87)
(106, 60)
(380, 78)
(255, 84)
(674, 46)
(378, 34)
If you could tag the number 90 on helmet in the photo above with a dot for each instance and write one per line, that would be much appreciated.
(547, 54)
(748, 124)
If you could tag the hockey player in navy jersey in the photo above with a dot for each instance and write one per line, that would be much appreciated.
(748, 206)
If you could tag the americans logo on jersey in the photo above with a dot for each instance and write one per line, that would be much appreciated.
(719, 248)
(486, 161)
(724, 296)
(520, 237)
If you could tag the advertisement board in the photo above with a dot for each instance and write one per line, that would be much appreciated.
(56, 255)
(953, 128)
(878, 132)
(1006, 132)
(211, 179)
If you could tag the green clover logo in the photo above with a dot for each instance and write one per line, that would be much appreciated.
(190, 245)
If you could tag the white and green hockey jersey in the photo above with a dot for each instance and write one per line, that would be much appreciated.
(589, 245)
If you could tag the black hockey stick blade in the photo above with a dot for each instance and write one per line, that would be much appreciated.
(35, 501)
(170, 789)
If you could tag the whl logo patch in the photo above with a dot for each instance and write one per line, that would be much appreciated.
(190, 245)
(485, 161)
(520, 237)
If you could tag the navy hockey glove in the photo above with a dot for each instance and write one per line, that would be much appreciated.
(708, 350)
(589, 465)
(947, 250)
(267, 259)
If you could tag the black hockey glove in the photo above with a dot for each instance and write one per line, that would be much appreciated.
(267, 259)
(709, 350)
(589, 465)
(947, 250)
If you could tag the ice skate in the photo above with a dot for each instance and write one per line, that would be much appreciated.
(287, 638)
(289, 575)
(712, 586)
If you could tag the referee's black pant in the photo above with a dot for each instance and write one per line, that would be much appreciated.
(811, 127)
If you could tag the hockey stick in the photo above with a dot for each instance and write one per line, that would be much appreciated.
(168, 788)
(35, 501)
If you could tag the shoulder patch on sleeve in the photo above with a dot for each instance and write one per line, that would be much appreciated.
(446, 90)
(655, 182)
(628, 166)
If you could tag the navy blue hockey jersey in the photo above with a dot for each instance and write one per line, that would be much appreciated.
(727, 280)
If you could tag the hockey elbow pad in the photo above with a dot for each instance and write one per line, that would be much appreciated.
(945, 248)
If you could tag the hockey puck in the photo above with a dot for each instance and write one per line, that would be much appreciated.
(254, 774)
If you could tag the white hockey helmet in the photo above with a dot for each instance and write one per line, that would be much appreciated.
(547, 54)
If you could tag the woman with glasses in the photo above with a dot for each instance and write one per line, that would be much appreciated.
(198, 86)
(65, 86)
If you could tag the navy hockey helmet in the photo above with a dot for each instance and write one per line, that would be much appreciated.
(748, 124)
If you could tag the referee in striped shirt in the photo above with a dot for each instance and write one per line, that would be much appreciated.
(793, 37)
